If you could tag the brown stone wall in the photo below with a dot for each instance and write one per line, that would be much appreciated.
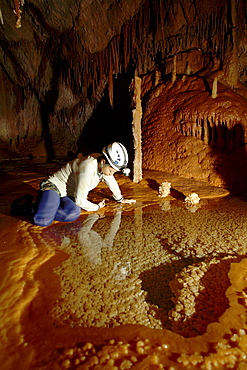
(65, 68)
(188, 132)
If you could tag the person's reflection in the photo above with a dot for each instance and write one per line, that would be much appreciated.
(92, 242)
(81, 235)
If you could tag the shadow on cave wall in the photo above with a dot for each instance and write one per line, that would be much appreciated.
(110, 123)
(48, 101)
(230, 159)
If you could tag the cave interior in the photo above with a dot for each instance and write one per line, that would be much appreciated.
(168, 79)
(69, 75)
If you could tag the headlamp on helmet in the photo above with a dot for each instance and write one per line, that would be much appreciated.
(117, 156)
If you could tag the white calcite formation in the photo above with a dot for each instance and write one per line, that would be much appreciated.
(192, 199)
(164, 189)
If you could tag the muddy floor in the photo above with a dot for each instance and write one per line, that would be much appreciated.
(161, 284)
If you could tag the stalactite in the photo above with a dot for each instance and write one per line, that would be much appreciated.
(113, 55)
(17, 11)
(1, 16)
(131, 44)
(207, 132)
(157, 77)
(214, 131)
(202, 129)
(94, 77)
(212, 138)
(231, 66)
(125, 46)
(214, 88)
(174, 69)
(110, 83)
(118, 57)
(199, 131)
(101, 66)
(229, 139)
(139, 42)
(195, 129)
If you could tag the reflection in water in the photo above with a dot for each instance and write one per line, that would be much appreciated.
(99, 286)
(165, 205)
(84, 237)
(159, 269)
(121, 270)
(192, 207)
(91, 242)
(176, 266)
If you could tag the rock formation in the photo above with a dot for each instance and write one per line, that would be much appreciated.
(66, 69)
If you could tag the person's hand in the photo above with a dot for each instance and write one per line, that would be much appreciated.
(101, 204)
(128, 201)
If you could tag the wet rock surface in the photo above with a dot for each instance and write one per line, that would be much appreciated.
(159, 283)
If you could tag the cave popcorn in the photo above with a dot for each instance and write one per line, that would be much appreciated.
(164, 189)
(192, 199)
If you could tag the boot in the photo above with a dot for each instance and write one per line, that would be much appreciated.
(22, 206)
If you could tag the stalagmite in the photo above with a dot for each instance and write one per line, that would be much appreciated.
(164, 189)
(214, 89)
(136, 129)
(192, 198)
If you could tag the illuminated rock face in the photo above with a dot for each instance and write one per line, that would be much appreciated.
(54, 69)
(189, 133)
(66, 61)
(60, 62)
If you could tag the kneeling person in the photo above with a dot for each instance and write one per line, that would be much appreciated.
(64, 194)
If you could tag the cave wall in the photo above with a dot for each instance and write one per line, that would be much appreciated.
(66, 68)
(187, 132)
(54, 67)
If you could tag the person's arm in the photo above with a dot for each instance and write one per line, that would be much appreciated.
(116, 192)
(109, 238)
(83, 186)
(88, 223)
(128, 201)
(112, 184)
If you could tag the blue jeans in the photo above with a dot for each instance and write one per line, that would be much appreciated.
(53, 207)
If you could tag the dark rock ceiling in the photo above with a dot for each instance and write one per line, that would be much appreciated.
(65, 64)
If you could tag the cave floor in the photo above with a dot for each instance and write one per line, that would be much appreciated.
(160, 284)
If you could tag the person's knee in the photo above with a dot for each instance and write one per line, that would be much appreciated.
(42, 221)
(68, 210)
(77, 213)
(48, 204)
(73, 214)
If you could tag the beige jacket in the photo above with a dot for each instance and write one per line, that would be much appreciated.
(81, 175)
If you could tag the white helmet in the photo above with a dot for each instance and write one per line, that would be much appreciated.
(116, 155)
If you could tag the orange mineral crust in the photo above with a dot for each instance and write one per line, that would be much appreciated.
(158, 285)
(188, 132)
